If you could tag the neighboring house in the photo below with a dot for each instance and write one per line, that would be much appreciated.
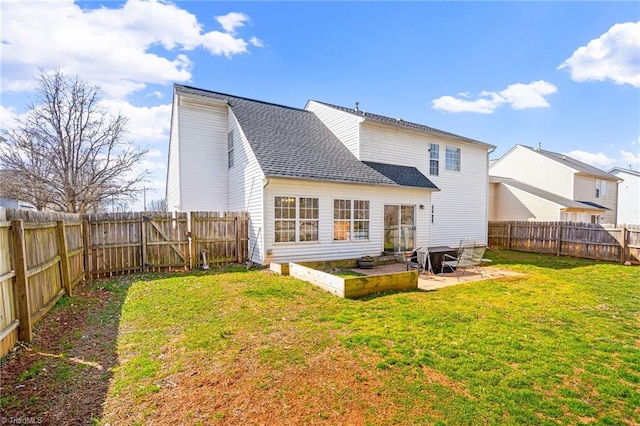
(539, 185)
(628, 195)
(324, 182)
(16, 204)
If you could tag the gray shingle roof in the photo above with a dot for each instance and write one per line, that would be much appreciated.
(574, 164)
(617, 170)
(402, 175)
(294, 143)
(404, 124)
(594, 205)
(546, 195)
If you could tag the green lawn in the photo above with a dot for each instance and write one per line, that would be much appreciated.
(559, 345)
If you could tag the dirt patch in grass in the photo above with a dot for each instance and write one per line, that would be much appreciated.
(62, 376)
(332, 387)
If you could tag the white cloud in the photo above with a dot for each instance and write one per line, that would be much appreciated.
(629, 158)
(121, 49)
(255, 41)
(146, 124)
(232, 20)
(518, 96)
(615, 55)
(597, 160)
(7, 117)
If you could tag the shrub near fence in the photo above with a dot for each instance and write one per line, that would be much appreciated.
(584, 240)
(45, 255)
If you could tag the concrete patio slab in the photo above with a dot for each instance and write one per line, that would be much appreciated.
(435, 281)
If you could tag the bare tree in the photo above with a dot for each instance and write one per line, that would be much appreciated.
(68, 153)
(158, 205)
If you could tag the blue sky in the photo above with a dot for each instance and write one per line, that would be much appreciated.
(564, 74)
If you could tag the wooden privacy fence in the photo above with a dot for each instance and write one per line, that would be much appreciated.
(41, 260)
(45, 255)
(590, 241)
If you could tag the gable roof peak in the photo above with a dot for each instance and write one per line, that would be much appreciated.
(572, 163)
(399, 122)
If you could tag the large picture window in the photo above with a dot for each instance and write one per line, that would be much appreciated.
(350, 220)
(452, 159)
(295, 219)
(434, 159)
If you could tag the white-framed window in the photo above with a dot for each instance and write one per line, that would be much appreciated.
(601, 187)
(230, 149)
(350, 220)
(295, 219)
(434, 159)
(452, 159)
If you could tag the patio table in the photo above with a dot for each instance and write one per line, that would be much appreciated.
(436, 255)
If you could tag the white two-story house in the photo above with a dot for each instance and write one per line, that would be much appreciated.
(325, 182)
(539, 185)
(628, 195)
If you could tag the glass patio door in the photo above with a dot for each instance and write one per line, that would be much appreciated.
(399, 227)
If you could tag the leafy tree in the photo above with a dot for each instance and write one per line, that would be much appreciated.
(68, 153)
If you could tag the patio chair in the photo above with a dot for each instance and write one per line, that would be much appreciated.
(461, 262)
(478, 257)
(417, 260)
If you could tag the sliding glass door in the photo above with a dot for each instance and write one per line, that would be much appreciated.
(399, 227)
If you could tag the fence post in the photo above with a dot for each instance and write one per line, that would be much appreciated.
(237, 229)
(143, 241)
(509, 236)
(85, 242)
(624, 243)
(64, 259)
(559, 239)
(192, 233)
(23, 305)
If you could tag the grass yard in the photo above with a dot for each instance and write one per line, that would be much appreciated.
(559, 345)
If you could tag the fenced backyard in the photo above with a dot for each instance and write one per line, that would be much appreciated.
(583, 240)
(45, 255)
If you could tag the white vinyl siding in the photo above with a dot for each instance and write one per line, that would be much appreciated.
(245, 189)
(342, 124)
(628, 197)
(326, 248)
(173, 168)
(203, 156)
(515, 204)
(530, 167)
(460, 207)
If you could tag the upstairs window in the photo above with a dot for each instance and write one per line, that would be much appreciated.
(230, 148)
(601, 187)
(434, 159)
(452, 159)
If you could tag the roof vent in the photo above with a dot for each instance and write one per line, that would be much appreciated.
(357, 106)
